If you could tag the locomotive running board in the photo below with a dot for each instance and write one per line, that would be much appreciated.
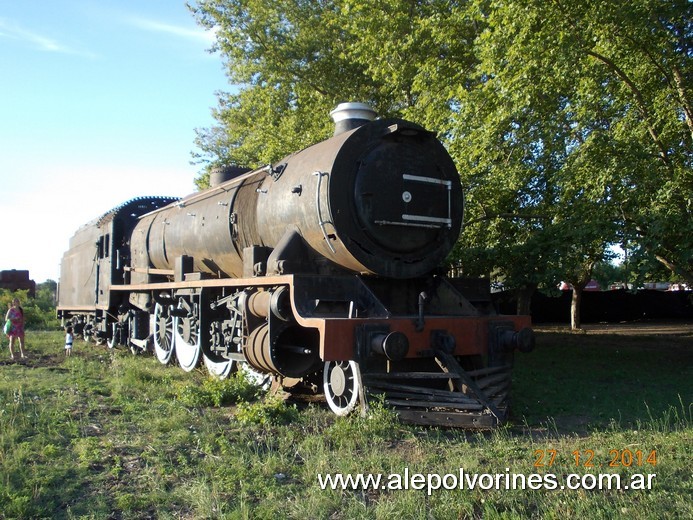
(477, 399)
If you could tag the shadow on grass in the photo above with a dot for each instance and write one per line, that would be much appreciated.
(580, 382)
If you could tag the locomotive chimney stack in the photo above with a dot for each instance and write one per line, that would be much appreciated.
(348, 116)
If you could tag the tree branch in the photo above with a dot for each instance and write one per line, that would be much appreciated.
(674, 268)
(640, 100)
(687, 109)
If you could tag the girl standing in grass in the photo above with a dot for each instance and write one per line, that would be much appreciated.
(16, 318)
(68, 341)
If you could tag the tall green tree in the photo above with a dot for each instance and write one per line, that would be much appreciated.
(622, 73)
(570, 122)
(574, 132)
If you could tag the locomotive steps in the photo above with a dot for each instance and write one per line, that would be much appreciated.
(452, 397)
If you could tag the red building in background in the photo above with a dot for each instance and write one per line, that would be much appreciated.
(17, 280)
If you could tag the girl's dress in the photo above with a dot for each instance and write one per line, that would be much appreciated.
(17, 319)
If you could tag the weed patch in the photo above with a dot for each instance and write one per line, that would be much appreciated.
(270, 411)
(215, 392)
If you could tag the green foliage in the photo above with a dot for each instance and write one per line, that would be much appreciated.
(269, 411)
(599, 83)
(290, 58)
(39, 312)
(218, 392)
(607, 273)
(380, 422)
(571, 123)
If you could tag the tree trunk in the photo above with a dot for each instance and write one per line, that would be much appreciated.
(524, 299)
(575, 307)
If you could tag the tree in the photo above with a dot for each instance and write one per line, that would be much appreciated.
(519, 156)
(295, 60)
(570, 123)
(631, 109)
(584, 133)
(289, 59)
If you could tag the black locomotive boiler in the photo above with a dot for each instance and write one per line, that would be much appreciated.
(320, 271)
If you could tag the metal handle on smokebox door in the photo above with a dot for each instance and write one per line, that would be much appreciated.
(322, 222)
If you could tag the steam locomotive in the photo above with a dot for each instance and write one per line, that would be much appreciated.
(320, 272)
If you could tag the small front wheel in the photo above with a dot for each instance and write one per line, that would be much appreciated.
(342, 385)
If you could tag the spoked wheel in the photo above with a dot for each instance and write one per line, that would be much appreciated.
(120, 332)
(112, 342)
(187, 339)
(341, 385)
(219, 369)
(88, 332)
(163, 334)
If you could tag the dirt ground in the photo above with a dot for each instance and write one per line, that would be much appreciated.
(676, 330)
(638, 328)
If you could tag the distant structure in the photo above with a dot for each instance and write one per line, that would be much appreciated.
(15, 280)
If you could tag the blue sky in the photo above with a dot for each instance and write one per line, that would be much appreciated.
(99, 101)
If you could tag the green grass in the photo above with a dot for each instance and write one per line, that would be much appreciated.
(588, 381)
(106, 434)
